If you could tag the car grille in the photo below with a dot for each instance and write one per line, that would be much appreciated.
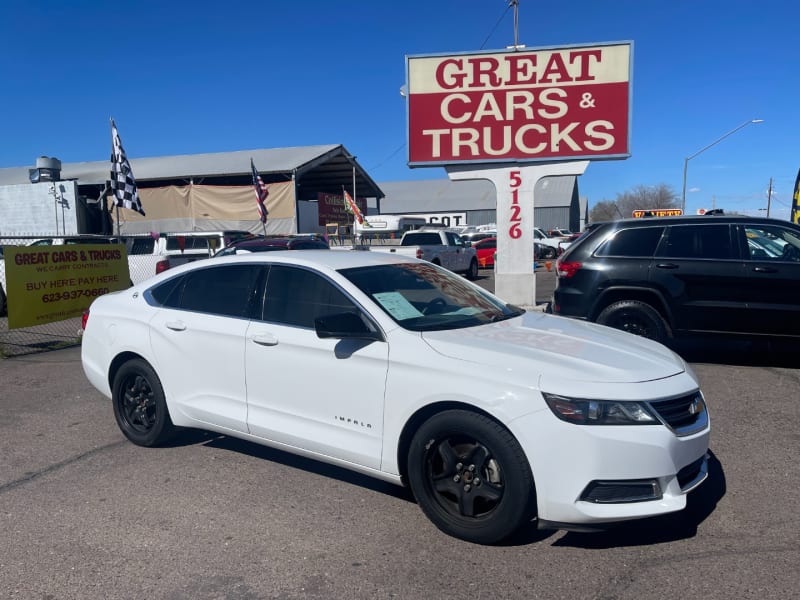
(684, 415)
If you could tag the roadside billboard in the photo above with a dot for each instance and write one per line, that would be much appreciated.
(525, 105)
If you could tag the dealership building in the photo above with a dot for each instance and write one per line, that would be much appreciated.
(214, 191)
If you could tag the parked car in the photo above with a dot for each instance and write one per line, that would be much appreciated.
(272, 243)
(3, 305)
(661, 277)
(477, 236)
(149, 255)
(401, 370)
(487, 252)
(542, 238)
(438, 246)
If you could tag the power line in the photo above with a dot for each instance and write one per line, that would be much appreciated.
(385, 160)
(496, 25)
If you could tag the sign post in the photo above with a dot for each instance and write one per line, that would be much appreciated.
(515, 280)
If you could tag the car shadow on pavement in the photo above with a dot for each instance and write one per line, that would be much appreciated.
(190, 437)
(727, 351)
(658, 530)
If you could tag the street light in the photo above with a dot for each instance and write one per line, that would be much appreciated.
(714, 143)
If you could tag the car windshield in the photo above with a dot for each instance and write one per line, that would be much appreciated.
(423, 297)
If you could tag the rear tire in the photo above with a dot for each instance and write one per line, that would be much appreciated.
(638, 318)
(548, 252)
(470, 477)
(139, 405)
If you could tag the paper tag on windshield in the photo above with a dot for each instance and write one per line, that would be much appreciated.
(397, 306)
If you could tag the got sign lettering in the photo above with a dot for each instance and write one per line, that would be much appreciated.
(524, 106)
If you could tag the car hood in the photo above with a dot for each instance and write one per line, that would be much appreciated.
(557, 348)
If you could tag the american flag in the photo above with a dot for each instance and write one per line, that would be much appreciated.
(123, 185)
(261, 193)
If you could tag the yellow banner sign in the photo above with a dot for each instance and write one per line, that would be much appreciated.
(658, 212)
(53, 283)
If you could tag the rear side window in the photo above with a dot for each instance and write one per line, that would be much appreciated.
(226, 291)
(421, 239)
(636, 242)
(698, 241)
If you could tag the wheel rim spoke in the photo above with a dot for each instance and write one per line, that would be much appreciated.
(138, 404)
(459, 473)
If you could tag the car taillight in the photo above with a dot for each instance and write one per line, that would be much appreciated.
(84, 319)
(419, 252)
(162, 266)
(567, 269)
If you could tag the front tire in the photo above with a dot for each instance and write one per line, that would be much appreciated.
(635, 317)
(139, 405)
(470, 477)
(472, 272)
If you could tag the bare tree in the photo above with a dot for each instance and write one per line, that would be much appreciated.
(605, 210)
(642, 197)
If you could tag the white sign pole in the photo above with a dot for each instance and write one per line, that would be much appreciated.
(515, 280)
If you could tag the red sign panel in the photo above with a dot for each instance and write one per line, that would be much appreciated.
(525, 105)
(331, 209)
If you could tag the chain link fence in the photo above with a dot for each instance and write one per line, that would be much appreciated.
(145, 252)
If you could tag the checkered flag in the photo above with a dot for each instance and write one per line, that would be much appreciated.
(122, 182)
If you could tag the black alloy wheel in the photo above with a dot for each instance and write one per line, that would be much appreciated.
(139, 405)
(637, 318)
(470, 477)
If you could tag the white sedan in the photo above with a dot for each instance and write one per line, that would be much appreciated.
(401, 370)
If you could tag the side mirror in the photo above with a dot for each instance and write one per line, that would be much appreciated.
(345, 325)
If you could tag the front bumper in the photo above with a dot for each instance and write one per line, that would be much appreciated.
(567, 460)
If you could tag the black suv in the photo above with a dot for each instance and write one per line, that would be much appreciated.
(658, 277)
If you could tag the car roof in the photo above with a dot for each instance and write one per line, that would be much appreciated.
(332, 260)
(684, 219)
(260, 241)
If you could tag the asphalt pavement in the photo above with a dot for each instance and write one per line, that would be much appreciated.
(86, 515)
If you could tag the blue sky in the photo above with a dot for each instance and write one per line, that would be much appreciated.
(193, 77)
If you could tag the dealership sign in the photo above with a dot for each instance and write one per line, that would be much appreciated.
(561, 103)
(658, 212)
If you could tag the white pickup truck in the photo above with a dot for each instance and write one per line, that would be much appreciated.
(440, 247)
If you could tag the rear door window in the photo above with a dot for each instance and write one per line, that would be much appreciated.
(227, 291)
(709, 241)
(634, 242)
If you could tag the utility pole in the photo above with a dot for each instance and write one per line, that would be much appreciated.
(769, 196)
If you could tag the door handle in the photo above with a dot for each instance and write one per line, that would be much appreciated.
(667, 266)
(265, 339)
(176, 325)
(765, 269)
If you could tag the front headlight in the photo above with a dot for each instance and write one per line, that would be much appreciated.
(599, 412)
